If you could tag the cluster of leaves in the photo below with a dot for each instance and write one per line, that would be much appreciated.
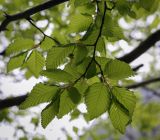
(146, 126)
(79, 72)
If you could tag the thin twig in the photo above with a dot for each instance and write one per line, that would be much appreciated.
(28, 13)
(31, 22)
(143, 83)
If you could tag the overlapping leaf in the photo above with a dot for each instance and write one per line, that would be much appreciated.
(58, 75)
(80, 54)
(56, 56)
(47, 44)
(125, 97)
(103, 61)
(111, 29)
(118, 117)
(68, 101)
(82, 87)
(80, 2)
(72, 70)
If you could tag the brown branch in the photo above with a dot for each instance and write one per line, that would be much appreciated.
(12, 101)
(143, 83)
(142, 48)
(15, 101)
(26, 14)
(152, 91)
(31, 22)
(136, 68)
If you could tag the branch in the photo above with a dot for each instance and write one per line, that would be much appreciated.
(2, 53)
(152, 91)
(143, 83)
(44, 35)
(15, 101)
(137, 67)
(26, 14)
(142, 48)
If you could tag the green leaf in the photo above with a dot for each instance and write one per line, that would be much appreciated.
(97, 99)
(93, 80)
(35, 63)
(49, 113)
(125, 97)
(81, 2)
(124, 7)
(56, 56)
(91, 35)
(81, 86)
(103, 61)
(81, 68)
(86, 9)
(117, 70)
(101, 6)
(93, 31)
(47, 44)
(28, 74)
(77, 23)
(101, 47)
(75, 114)
(71, 69)
(58, 75)
(16, 62)
(118, 117)
(80, 54)
(75, 129)
(111, 29)
(74, 95)
(146, 4)
(68, 101)
(19, 45)
(40, 93)
(91, 71)
(35, 121)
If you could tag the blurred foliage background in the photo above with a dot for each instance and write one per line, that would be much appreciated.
(136, 19)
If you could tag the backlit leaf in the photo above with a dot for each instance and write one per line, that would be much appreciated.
(40, 93)
(77, 23)
(80, 54)
(118, 117)
(58, 75)
(117, 70)
(35, 63)
(125, 97)
(68, 102)
(47, 44)
(56, 56)
(19, 45)
(81, 2)
(16, 62)
(97, 99)
(49, 113)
